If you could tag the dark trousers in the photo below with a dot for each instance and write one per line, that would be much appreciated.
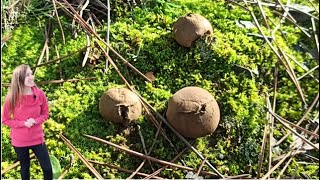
(41, 153)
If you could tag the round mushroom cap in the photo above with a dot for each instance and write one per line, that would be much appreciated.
(193, 112)
(120, 105)
(189, 28)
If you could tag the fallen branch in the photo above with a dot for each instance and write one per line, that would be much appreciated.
(271, 123)
(301, 120)
(284, 168)
(145, 151)
(201, 165)
(297, 134)
(122, 169)
(81, 157)
(263, 146)
(42, 54)
(67, 80)
(310, 71)
(276, 166)
(60, 26)
(292, 124)
(65, 171)
(315, 34)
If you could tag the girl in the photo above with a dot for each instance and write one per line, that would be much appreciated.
(25, 110)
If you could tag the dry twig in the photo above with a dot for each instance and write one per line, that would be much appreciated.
(81, 157)
(301, 120)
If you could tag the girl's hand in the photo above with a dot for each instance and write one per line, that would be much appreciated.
(28, 124)
(32, 121)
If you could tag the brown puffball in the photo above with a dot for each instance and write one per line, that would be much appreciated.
(120, 105)
(189, 28)
(193, 112)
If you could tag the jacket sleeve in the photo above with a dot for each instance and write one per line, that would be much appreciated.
(44, 114)
(6, 119)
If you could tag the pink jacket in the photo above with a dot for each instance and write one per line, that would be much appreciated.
(32, 106)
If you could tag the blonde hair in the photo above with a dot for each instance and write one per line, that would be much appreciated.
(17, 85)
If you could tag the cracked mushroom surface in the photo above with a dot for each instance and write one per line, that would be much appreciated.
(189, 28)
(193, 112)
(120, 105)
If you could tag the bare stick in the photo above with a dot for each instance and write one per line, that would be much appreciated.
(291, 158)
(65, 171)
(293, 154)
(147, 153)
(302, 66)
(284, 168)
(41, 55)
(315, 8)
(276, 166)
(275, 86)
(263, 15)
(108, 31)
(315, 131)
(81, 157)
(281, 20)
(292, 124)
(47, 47)
(92, 22)
(60, 26)
(67, 80)
(56, 81)
(315, 34)
(144, 145)
(61, 58)
(283, 8)
(270, 134)
(87, 51)
(59, 62)
(286, 10)
(301, 120)
(310, 71)
(122, 169)
(297, 134)
(201, 165)
(96, 19)
(293, 22)
(292, 75)
(263, 146)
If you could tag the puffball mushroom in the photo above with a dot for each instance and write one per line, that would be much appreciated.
(193, 112)
(120, 105)
(189, 28)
